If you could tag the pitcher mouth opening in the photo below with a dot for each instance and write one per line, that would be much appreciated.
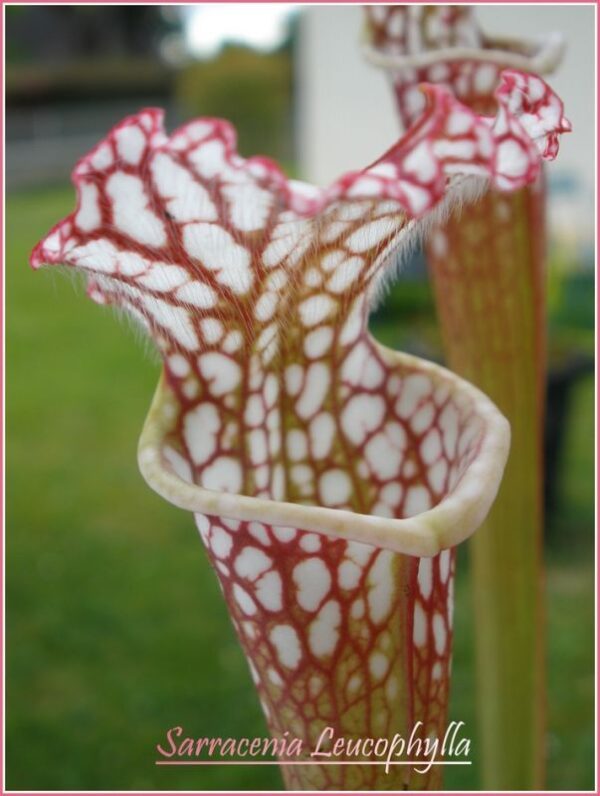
(539, 55)
(451, 514)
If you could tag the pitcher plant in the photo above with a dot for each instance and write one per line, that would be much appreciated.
(487, 269)
(330, 477)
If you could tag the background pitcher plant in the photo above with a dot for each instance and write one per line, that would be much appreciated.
(330, 477)
(487, 266)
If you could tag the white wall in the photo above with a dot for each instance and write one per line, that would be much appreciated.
(346, 113)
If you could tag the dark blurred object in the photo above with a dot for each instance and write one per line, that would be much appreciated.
(69, 53)
(562, 380)
(59, 34)
(90, 79)
(75, 71)
(72, 73)
(571, 359)
(252, 90)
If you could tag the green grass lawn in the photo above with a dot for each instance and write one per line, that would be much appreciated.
(116, 628)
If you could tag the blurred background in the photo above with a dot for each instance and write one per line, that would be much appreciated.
(116, 629)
